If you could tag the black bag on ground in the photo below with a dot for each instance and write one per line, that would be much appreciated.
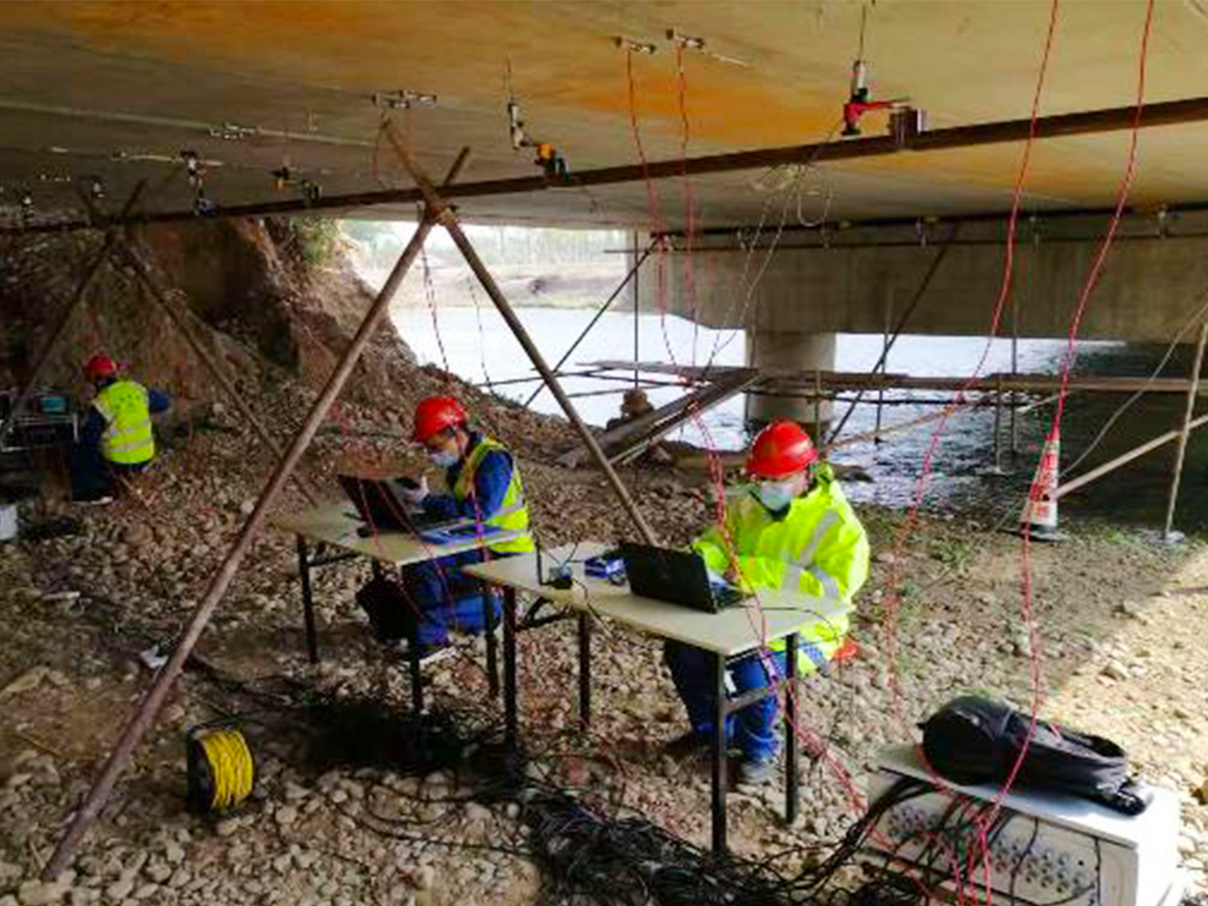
(974, 740)
(389, 612)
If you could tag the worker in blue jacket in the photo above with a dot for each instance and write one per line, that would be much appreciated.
(484, 486)
(117, 437)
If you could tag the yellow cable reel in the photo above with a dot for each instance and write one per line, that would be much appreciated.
(221, 770)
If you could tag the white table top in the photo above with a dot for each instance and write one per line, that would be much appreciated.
(336, 524)
(732, 631)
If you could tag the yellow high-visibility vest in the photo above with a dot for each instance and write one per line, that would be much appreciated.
(512, 515)
(819, 547)
(128, 439)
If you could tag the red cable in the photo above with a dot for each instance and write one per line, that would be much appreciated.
(1075, 323)
(689, 206)
(430, 293)
(1036, 492)
(716, 468)
(922, 484)
(891, 599)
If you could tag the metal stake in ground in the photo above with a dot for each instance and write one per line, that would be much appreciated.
(1173, 499)
(442, 212)
(60, 329)
(154, 700)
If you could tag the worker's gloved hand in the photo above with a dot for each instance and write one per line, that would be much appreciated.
(415, 496)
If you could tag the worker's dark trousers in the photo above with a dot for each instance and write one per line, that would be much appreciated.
(92, 475)
(449, 600)
(753, 729)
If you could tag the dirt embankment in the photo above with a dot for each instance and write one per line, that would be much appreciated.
(257, 300)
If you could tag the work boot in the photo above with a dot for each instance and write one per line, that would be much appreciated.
(92, 501)
(433, 654)
(756, 773)
(688, 745)
(428, 654)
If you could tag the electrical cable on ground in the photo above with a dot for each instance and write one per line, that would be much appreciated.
(590, 850)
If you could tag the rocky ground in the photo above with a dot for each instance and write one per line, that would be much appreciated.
(1120, 620)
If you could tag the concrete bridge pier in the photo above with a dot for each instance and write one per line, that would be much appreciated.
(789, 352)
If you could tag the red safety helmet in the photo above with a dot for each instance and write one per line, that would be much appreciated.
(781, 449)
(436, 414)
(99, 367)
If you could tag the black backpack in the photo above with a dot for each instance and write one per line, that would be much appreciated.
(973, 740)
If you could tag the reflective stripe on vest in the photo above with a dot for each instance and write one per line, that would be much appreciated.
(128, 439)
(512, 515)
(805, 561)
(817, 642)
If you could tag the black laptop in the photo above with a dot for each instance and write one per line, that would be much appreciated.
(677, 577)
(379, 504)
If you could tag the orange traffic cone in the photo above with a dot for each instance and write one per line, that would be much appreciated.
(1039, 517)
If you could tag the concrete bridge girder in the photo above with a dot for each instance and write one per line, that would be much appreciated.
(1150, 286)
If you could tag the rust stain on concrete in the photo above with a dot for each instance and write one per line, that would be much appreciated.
(731, 114)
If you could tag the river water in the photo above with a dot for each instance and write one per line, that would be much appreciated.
(476, 345)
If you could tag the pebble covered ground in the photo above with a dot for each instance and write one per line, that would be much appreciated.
(1120, 618)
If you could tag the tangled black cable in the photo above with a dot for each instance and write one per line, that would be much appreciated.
(588, 851)
(956, 848)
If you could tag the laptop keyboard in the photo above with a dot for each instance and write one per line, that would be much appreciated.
(727, 596)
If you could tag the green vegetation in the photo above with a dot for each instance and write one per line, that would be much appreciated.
(312, 239)
(953, 552)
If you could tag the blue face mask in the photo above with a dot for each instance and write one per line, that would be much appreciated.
(443, 458)
(776, 495)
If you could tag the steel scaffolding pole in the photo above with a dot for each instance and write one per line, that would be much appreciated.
(1192, 390)
(632, 275)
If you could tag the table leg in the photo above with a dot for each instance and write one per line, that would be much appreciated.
(488, 617)
(584, 671)
(417, 685)
(792, 780)
(719, 754)
(509, 667)
(308, 604)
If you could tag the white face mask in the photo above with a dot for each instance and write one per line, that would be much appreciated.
(443, 458)
(776, 495)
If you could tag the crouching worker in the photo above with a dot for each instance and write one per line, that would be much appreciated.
(485, 486)
(116, 438)
(791, 528)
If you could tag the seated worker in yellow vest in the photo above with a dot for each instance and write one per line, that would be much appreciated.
(485, 486)
(116, 437)
(791, 528)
